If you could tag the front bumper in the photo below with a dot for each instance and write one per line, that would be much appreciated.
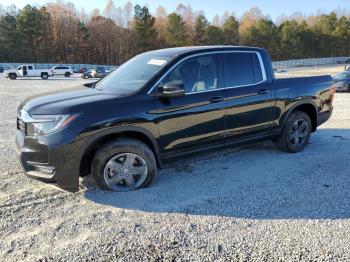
(323, 117)
(52, 158)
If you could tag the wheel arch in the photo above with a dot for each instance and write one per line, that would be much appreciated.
(89, 150)
(44, 73)
(309, 108)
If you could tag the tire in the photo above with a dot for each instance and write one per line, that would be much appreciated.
(111, 162)
(12, 76)
(86, 76)
(66, 74)
(44, 76)
(293, 141)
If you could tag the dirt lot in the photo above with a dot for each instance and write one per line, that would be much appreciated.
(255, 203)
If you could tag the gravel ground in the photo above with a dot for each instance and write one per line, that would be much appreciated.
(255, 203)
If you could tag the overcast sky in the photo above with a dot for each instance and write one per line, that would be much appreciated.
(212, 7)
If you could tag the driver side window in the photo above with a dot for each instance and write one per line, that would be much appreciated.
(197, 74)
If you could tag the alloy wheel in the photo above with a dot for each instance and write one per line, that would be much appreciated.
(298, 134)
(125, 172)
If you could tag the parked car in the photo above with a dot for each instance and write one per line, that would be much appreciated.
(66, 71)
(99, 72)
(82, 70)
(342, 81)
(86, 74)
(164, 105)
(27, 71)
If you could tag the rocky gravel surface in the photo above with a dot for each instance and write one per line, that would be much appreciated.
(255, 203)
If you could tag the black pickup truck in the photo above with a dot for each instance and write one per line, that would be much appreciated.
(163, 105)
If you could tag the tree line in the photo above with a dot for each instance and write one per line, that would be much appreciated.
(58, 33)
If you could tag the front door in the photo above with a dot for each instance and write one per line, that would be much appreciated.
(25, 72)
(196, 120)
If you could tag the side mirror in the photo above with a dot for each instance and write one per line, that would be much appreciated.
(91, 84)
(171, 90)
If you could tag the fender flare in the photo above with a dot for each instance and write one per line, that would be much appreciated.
(286, 114)
(118, 130)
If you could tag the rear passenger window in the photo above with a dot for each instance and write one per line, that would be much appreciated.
(241, 69)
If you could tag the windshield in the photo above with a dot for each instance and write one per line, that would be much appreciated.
(342, 75)
(134, 74)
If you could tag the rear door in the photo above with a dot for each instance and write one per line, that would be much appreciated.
(196, 120)
(31, 71)
(250, 99)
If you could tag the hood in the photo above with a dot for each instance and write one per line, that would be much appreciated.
(63, 101)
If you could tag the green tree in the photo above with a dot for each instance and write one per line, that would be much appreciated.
(231, 31)
(214, 35)
(291, 41)
(342, 33)
(9, 37)
(324, 35)
(176, 30)
(263, 34)
(144, 30)
(200, 30)
(29, 23)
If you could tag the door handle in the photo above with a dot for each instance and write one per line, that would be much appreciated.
(216, 99)
(263, 91)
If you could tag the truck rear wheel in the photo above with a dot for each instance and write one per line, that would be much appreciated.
(12, 76)
(44, 76)
(67, 74)
(124, 164)
(296, 133)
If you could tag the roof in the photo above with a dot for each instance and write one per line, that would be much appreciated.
(189, 49)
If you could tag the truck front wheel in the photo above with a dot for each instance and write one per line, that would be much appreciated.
(12, 76)
(123, 165)
(296, 133)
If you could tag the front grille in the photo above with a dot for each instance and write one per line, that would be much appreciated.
(21, 125)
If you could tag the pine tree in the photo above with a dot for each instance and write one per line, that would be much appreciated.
(200, 33)
(144, 30)
(176, 30)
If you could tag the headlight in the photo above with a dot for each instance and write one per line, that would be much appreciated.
(40, 125)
